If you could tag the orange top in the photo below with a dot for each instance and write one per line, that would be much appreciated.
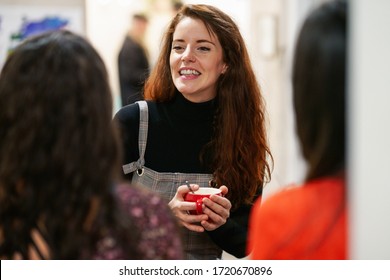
(307, 222)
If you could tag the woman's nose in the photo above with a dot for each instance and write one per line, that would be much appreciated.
(188, 55)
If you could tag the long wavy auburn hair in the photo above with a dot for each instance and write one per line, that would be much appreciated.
(240, 147)
(59, 151)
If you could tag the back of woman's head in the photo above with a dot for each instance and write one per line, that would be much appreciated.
(56, 113)
(319, 75)
(58, 149)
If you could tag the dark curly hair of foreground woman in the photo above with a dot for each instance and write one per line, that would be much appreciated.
(59, 156)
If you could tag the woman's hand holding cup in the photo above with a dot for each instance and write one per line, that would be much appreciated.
(217, 208)
(181, 209)
(200, 209)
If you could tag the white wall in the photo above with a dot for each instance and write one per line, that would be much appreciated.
(369, 129)
(274, 75)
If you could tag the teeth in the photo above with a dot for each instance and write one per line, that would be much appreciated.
(189, 72)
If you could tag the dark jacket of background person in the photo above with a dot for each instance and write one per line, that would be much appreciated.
(60, 192)
(310, 221)
(133, 63)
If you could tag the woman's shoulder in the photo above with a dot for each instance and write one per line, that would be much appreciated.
(302, 198)
(127, 113)
(160, 236)
(295, 219)
(131, 112)
(136, 196)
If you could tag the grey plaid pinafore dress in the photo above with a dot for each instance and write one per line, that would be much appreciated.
(197, 246)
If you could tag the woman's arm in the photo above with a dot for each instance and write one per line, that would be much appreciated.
(127, 121)
(232, 236)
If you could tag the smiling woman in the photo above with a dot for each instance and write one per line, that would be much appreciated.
(203, 123)
(196, 60)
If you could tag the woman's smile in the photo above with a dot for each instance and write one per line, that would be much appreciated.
(196, 60)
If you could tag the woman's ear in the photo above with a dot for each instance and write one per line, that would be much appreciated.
(224, 68)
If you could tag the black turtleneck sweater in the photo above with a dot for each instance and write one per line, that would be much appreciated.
(178, 130)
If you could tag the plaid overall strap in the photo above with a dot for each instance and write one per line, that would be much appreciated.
(142, 138)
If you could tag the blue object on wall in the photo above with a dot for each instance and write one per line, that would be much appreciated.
(35, 27)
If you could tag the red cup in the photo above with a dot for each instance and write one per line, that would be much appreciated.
(197, 197)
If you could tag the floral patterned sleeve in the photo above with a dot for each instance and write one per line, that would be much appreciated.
(160, 235)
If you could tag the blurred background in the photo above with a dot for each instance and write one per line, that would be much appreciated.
(269, 28)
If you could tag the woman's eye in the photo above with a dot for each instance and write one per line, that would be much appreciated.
(204, 49)
(177, 48)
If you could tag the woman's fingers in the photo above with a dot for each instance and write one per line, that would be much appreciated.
(193, 222)
(181, 209)
(217, 205)
(217, 209)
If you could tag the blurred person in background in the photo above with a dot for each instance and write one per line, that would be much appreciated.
(61, 196)
(133, 61)
(310, 221)
(176, 5)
